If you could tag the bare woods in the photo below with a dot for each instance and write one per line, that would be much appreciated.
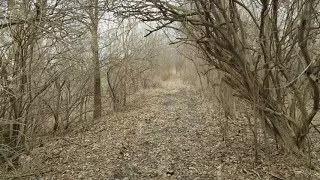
(68, 63)
(267, 51)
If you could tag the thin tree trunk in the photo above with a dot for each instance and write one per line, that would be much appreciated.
(96, 69)
(81, 110)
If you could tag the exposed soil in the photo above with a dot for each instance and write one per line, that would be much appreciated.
(166, 133)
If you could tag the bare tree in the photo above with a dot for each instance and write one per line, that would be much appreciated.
(265, 48)
(90, 13)
(34, 39)
(128, 62)
(22, 30)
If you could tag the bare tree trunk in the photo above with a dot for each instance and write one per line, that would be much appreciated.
(255, 123)
(81, 110)
(58, 106)
(95, 62)
(68, 107)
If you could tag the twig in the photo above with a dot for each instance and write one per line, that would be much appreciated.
(315, 127)
(8, 160)
(27, 175)
(274, 175)
(78, 144)
(158, 28)
(255, 172)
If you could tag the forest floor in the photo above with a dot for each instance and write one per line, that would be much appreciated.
(166, 133)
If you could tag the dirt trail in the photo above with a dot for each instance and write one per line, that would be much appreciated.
(167, 133)
(168, 140)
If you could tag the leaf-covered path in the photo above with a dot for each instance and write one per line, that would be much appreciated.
(166, 133)
(166, 138)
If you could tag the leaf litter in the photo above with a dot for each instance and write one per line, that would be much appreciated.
(166, 133)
